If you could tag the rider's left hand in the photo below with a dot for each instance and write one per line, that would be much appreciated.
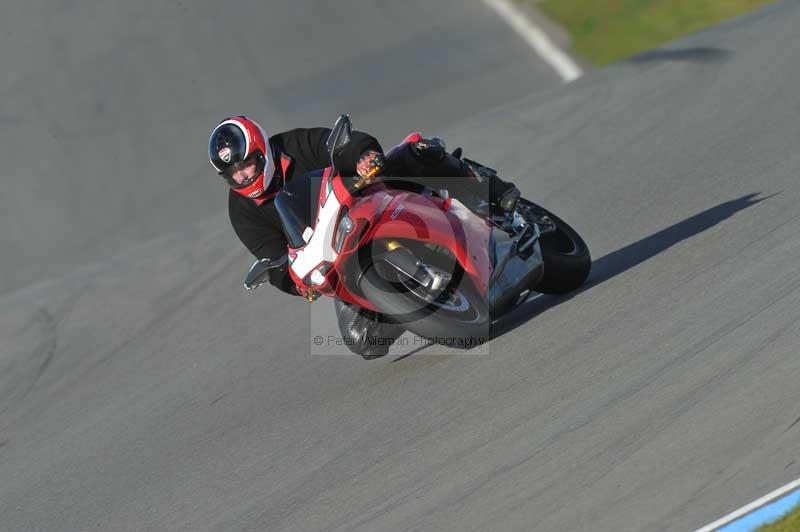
(370, 164)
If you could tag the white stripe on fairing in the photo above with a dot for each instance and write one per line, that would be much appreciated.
(744, 510)
(536, 39)
(320, 246)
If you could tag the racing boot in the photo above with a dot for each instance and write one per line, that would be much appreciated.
(450, 171)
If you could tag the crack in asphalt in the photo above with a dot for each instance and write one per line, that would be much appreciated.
(44, 351)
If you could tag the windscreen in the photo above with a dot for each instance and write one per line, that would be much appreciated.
(297, 204)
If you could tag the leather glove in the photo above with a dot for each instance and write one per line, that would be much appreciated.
(370, 164)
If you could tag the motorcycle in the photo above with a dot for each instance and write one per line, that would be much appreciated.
(439, 266)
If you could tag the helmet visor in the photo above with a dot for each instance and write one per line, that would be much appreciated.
(226, 146)
(244, 173)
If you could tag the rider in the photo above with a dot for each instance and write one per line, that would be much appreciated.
(256, 165)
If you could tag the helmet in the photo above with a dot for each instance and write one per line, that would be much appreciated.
(236, 144)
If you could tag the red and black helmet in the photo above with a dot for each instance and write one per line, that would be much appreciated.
(235, 143)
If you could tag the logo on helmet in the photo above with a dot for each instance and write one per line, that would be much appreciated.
(225, 154)
(256, 194)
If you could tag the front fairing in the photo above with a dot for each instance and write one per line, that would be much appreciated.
(310, 233)
(380, 214)
(316, 246)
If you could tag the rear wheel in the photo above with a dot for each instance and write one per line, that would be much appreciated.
(566, 256)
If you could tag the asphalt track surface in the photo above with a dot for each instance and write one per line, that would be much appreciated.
(148, 392)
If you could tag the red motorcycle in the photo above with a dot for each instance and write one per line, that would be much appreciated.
(439, 266)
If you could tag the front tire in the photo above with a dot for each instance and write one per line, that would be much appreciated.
(458, 317)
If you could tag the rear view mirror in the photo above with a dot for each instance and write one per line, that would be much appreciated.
(339, 137)
(259, 272)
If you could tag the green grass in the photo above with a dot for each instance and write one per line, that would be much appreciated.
(605, 31)
(788, 523)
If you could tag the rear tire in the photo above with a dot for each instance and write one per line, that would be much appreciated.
(566, 256)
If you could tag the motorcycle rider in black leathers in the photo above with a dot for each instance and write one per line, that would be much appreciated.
(256, 166)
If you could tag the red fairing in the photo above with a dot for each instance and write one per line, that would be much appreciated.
(413, 217)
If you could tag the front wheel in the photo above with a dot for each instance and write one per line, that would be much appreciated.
(457, 316)
(566, 256)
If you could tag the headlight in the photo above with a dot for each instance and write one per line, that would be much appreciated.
(317, 278)
(343, 228)
(317, 275)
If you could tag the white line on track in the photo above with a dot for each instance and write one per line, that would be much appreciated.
(744, 510)
(536, 39)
